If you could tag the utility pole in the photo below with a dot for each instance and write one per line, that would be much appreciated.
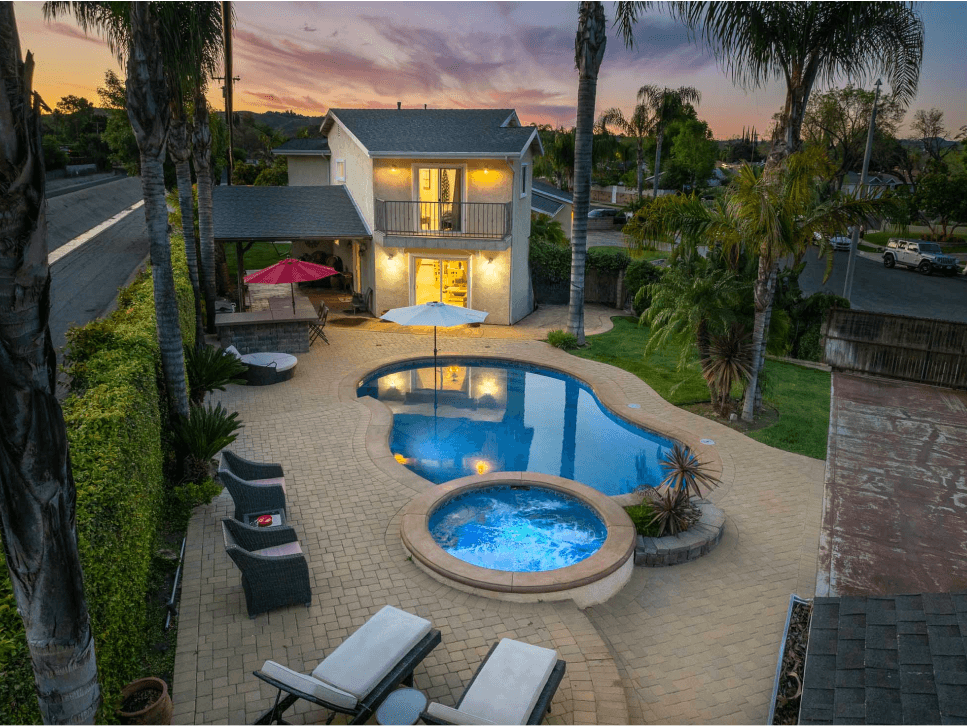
(229, 82)
(848, 286)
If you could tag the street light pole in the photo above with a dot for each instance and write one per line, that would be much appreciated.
(229, 83)
(854, 241)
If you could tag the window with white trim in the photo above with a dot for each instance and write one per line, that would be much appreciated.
(340, 170)
(523, 180)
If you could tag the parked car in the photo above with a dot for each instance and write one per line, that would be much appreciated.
(840, 242)
(615, 215)
(925, 257)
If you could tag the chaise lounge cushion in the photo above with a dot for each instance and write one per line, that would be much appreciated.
(276, 482)
(508, 685)
(289, 548)
(369, 654)
(308, 684)
(455, 716)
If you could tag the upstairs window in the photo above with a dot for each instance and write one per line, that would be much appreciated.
(524, 168)
(341, 170)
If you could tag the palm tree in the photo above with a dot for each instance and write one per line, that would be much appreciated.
(37, 494)
(202, 156)
(588, 54)
(663, 105)
(136, 33)
(637, 126)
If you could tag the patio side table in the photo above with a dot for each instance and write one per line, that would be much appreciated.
(402, 706)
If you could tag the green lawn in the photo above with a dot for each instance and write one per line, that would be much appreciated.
(881, 238)
(259, 257)
(801, 395)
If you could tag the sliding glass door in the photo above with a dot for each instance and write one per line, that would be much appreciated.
(439, 193)
(441, 280)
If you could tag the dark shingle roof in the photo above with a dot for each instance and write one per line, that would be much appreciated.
(545, 205)
(303, 146)
(433, 131)
(898, 659)
(285, 213)
(549, 190)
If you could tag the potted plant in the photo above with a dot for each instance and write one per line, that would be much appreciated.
(145, 701)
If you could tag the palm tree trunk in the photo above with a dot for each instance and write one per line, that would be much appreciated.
(654, 186)
(37, 493)
(180, 153)
(589, 52)
(765, 289)
(202, 147)
(149, 112)
(641, 176)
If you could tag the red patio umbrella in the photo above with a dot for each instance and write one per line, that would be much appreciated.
(291, 271)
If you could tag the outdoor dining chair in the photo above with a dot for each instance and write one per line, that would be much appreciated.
(273, 566)
(254, 487)
(317, 329)
(359, 674)
(362, 301)
(514, 684)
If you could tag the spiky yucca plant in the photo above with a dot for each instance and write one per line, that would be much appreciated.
(729, 361)
(673, 511)
(685, 473)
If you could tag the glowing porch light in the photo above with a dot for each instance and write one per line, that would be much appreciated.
(482, 467)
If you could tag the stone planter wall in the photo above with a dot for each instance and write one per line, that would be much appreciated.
(699, 540)
(275, 336)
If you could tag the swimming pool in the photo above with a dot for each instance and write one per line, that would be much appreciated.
(517, 528)
(478, 417)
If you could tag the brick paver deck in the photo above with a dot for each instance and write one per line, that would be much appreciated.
(692, 643)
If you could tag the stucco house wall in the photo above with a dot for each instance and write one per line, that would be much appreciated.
(308, 171)
(564, 217)
(359, 181)
(521, 296)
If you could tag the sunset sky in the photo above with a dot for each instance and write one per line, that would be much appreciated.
(311, 56)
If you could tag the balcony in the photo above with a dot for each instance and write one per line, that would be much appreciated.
(481, 220)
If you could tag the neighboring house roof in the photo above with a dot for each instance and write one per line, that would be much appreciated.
(551, 191)
(545, 205)
(485, 133)
(285, 213)
(898, 659)
(303, 147)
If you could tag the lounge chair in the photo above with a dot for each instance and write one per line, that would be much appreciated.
(317, 329)
(358, 675)
(264, 369)
(274, 569)
(514, 685)
(254, 487)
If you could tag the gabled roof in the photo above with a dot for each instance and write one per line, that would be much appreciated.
(481, 133)
(545, 205)
(285, 213)
(552, 192)
(874, 660)
(303, 147)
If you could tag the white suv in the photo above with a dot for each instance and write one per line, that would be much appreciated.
(925, 257)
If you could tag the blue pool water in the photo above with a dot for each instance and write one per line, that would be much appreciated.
(517, 529)
(511, 417)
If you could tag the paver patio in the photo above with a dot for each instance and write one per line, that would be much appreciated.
(693, 643)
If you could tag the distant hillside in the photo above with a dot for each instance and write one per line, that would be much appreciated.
(285, 122)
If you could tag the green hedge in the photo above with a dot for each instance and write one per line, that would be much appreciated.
(552, 262)
(115, 426)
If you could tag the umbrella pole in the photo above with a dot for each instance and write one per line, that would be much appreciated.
(292, 290)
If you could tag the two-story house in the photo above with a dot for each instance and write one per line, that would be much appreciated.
(446, 194)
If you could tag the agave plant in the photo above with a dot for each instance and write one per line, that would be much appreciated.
(673, 511)
(210, 369)
(201, 435)
(684, 473)
(729, 361)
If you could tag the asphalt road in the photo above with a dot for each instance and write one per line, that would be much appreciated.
(85, 282)
(898, 291)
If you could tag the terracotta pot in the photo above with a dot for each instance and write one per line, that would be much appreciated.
(158, 712)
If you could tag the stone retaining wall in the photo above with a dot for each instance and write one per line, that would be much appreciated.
(274, 336)
(699, 540)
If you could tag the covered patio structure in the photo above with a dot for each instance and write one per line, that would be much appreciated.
(321, 222)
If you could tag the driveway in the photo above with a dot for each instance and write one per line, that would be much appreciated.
(898, 291)
(895, 503)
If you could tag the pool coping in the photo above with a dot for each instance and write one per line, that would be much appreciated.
(618, 547)
(608, 393)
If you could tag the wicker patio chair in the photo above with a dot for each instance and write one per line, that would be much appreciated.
(514, 684)
(254, 487)
(317, 329)
(358, 675)
(273, 566)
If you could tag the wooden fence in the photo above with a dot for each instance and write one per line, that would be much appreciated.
(897, 346)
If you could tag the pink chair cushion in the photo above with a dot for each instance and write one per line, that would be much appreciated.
(290, 548)
(278, 481)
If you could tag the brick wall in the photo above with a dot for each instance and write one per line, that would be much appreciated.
(274, 337)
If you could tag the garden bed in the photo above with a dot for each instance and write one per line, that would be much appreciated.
(696, 541)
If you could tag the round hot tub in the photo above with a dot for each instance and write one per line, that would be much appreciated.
(523, 537)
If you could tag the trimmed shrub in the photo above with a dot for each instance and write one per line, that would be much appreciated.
(562, 340)
(638, 275)
(115, 424)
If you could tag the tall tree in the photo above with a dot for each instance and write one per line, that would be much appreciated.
(802, 43)
(930, 129)
(37, 494)
(134, 33)
(588, 53)
(664, 104)
(637, 126)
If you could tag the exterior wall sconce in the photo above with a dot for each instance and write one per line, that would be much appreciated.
(390, 255)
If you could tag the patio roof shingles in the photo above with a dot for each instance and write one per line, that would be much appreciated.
(285, 213)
